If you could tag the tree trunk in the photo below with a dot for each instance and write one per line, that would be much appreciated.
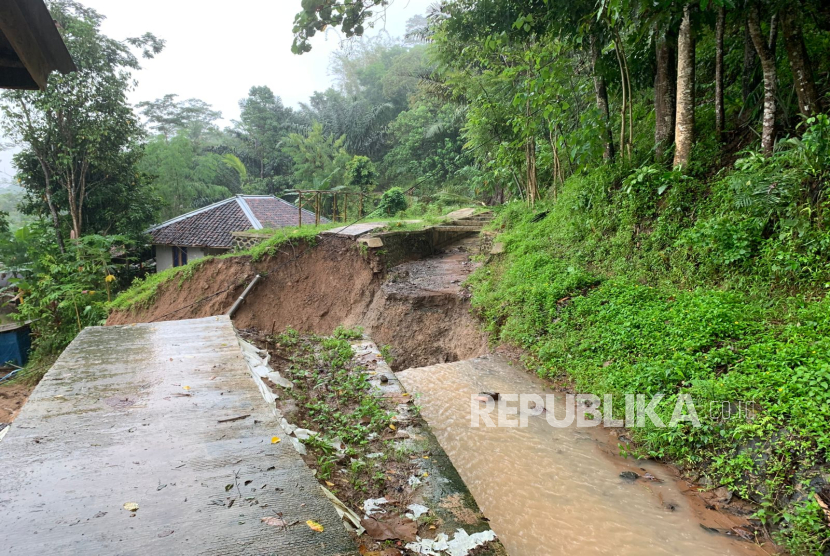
(805, 85)
(684, 129)
(52, 209)
(767, 57)
(602, 102)
(664, 96)
(720, 115)
(750, 60)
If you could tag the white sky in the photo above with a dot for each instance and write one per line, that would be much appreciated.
(217, 51)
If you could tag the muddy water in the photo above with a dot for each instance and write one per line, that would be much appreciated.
(551, 491)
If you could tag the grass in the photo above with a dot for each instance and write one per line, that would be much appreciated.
(143, 292)
(332, 397)
(618, 290)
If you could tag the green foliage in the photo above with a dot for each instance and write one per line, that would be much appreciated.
(185, 177)
(61, 292)
(649, 281)
(361, 174)
(316, 15)
(392, 202)
(319, 159)
(80, 137)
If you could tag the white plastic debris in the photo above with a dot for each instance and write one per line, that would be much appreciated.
(414, 481)
(372, 506)
(460, 545)
(279, 380)
(416, 511)
(286, 426)
(304, 434)
(374, 455)
(299, 446)
(350, 519)
(260, 370)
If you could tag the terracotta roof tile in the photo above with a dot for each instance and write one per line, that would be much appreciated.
(211, 226)
(276, 213)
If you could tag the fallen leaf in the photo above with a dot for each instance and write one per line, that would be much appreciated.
(275, 439)
(393, 427)
(165, 534)
(314, 526)
(131, 507)
(274, 521)
(390, 527)
(328, 483)
(186, 387)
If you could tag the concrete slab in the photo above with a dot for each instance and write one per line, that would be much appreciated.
(460, 213)
(131, 414)
(356, 230)
(374, 242)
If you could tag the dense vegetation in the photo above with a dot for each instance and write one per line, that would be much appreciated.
(668, 165)
(661, 170)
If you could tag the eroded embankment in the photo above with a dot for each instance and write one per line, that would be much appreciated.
(418, 308)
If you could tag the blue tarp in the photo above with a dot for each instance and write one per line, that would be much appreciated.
(14, 346)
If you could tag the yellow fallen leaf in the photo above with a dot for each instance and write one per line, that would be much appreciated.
(405, 394)
(131, 507)
(432, 527)
(426, 474)
(275, 439)
(393, 427)
(314, 526)
(186, 387)
(328, 483)
(426, 457)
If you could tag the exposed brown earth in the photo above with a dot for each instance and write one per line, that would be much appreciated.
(12, 398)
(419, 309)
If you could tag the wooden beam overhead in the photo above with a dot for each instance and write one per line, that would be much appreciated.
(30, 41)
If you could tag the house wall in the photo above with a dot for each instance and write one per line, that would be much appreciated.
(164, 255)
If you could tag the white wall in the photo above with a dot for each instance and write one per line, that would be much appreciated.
(164, 255)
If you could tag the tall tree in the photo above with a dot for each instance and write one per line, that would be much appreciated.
(720, 115)
(802, 69)
(664, 91)
(80, 130)
(601, 93)
(168, 116)
(765, 49)
(684, 130)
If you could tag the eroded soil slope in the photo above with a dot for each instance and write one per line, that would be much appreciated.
(418, 309)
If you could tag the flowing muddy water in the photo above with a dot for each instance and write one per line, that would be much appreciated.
(550, 491)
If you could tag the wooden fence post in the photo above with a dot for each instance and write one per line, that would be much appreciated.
(300, 207)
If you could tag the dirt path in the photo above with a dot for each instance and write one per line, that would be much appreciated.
(12, 398)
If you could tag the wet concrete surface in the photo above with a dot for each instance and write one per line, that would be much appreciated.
(130, 414)
(553, 491)
(438, 275)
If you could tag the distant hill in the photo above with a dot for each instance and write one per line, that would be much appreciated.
(10, 197)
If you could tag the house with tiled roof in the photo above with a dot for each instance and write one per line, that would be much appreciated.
(208, 230)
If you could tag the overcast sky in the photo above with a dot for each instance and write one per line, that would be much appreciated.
(218, 51)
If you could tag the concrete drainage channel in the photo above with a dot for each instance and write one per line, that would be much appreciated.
(440, 516)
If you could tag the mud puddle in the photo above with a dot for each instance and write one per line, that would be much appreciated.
(551, 491)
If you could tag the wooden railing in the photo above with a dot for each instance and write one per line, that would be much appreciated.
(318, 196)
